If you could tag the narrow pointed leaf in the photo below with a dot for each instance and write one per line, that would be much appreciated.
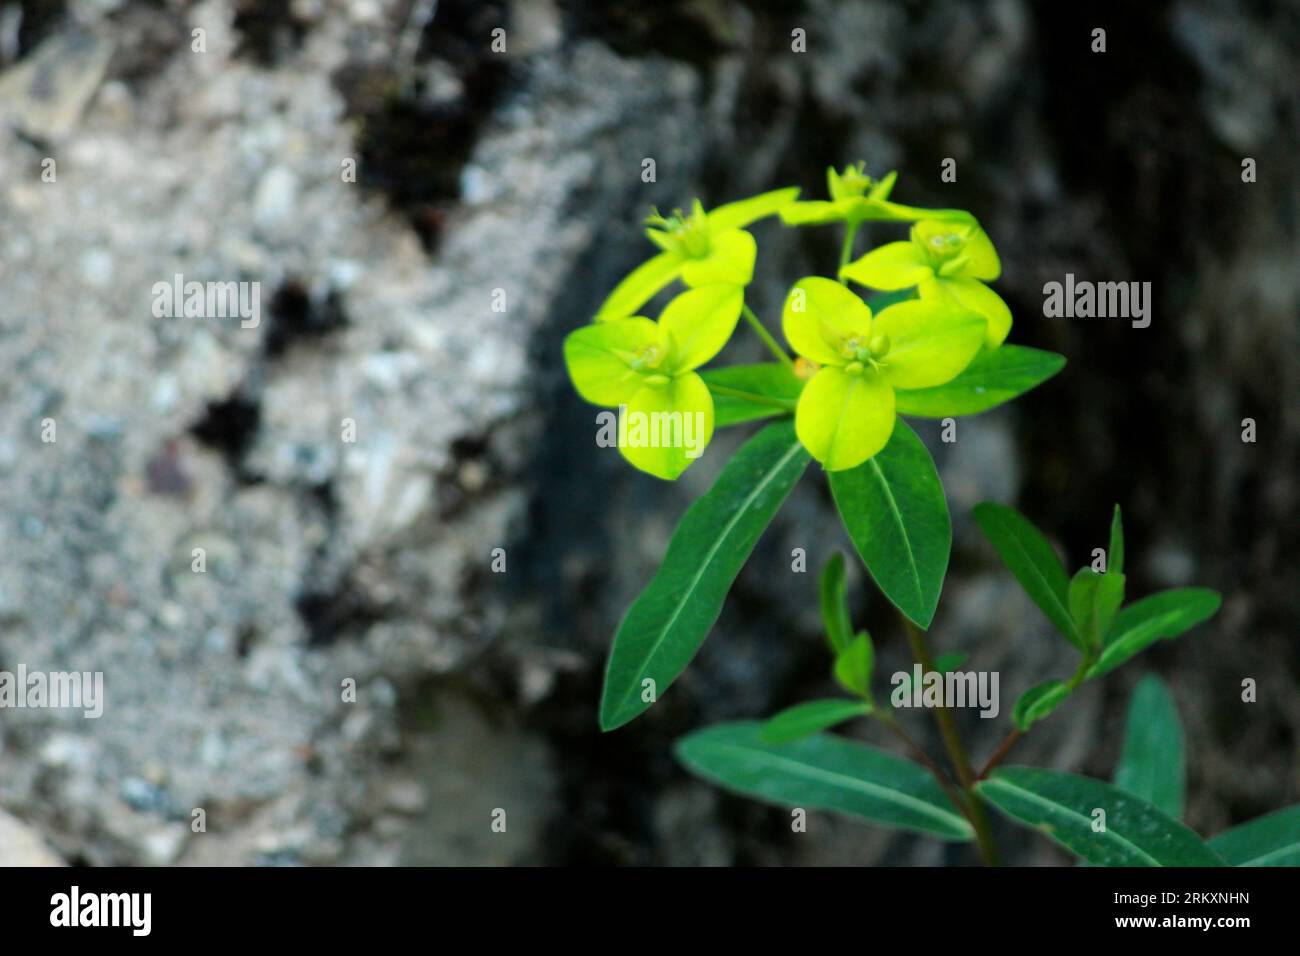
(1063, 806)
(803, 720)
(834, 604)
(823, 772)
(1094, 598)
(993, 377)
(1270, 840)
(1039, 701)
(1164, 615)
(854, 664)
(897, 517)
(669, 621)
(1152, 763)
(1030, 558)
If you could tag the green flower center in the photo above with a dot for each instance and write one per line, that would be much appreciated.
(861, 351)
(647, 357)
(687, 235)
(854, 181)
(940, 241)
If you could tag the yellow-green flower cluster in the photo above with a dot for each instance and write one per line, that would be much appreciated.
(851, 360)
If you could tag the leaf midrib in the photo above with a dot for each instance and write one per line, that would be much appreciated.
(853, 783)
(708, 560)
(902, 528)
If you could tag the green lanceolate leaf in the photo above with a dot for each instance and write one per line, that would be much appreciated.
(1030, 558)
(897, 517)
(854, 664)
(1270, 840)
(1094, 598)
(834, 604)
(1166, 614)
(823, 772)
(993, 377)
(668, 622)
(1039, 701)
(743, 393)
(1151, 765)
(1115, 559)
(1065, 807)
(802, 720)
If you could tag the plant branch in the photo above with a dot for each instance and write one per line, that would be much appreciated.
(766, 336)
(979, 817)
(1003, 749)
(1016, 733)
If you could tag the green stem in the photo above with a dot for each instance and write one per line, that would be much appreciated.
(979, 816)
(782, 403)
(846, 250)
(766, 336)
(1089, 658)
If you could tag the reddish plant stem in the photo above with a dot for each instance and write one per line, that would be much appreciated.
(1003, 749)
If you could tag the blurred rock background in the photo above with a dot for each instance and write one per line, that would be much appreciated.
(520, 171)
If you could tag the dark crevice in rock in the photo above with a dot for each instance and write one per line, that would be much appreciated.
(229, 427)
(472, 472)
(327, 501)
(296, 314)
(342, 612)
(245, 638)
(269, 30)
(416, 133)
(40, 18)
